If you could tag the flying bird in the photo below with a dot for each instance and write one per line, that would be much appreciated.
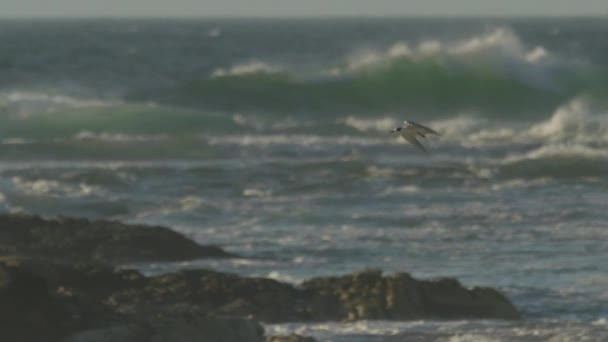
(410, 131)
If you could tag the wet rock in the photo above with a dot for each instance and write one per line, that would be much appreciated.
(56, 278)
(359, 296)
(27, 309)
(80, 290)
(290, 338)
(44, 301)
(370, 295)
(177, 329)
(221, 293)
(82, 240)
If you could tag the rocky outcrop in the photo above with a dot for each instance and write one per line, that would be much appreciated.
(360, 296)
(57, 279)
(41, 301)
(370, 295)
(102, 293)
(68, 239)
(220, 293)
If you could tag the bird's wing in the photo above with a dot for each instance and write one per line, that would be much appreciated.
(422, 129)
(412, 140)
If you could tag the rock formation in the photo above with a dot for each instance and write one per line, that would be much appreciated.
(59, 281)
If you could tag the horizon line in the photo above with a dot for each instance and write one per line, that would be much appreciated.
(297, 17)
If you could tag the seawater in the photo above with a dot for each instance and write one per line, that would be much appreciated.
(270, 138)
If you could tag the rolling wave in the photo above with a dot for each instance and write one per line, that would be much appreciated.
(565, 164)
(493, 73)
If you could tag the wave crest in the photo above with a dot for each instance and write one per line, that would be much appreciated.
(494, 72)
(499, 45)
(254, 67)
(577, 120)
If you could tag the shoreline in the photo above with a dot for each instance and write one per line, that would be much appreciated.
(80, 290)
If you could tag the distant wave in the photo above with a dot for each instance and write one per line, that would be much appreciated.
(561, 162)
(22, 104)
(254, 67)
(568, 142)
(31, 117)
(493, 73)
(582, 120)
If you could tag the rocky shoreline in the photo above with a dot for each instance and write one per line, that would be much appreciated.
(59, 281)
(108, 242)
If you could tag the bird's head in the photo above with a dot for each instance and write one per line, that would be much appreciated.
(398, 129)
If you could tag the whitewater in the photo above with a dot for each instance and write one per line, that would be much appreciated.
(270, 139)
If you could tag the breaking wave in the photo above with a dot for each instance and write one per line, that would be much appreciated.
(493, 73)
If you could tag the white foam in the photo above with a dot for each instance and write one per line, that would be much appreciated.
(574, 125)
(184, 204)
(190, 203)
(561, 150)
(295, 139)
(117, 137)
(253, 67)
(538, 54)
(44, 187)
(471, 337)
(375, 125)
(576, 120)
(501, 38)
(430, 48)
(120, 137)
(254, 192)
(601, 322)
(471, 131)
(23, 104)
(520, 183)
(249, 121)
(406, 189)
(457, 127)
(498, 44)
(278, 276)
(16, 141)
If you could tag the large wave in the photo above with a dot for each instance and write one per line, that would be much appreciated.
(493, 73)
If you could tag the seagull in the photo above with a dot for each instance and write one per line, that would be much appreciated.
(411, 130)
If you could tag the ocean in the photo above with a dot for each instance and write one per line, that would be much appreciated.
(270, 138)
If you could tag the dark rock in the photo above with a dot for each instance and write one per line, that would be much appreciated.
(220, 293)
(27, 310)
(60, 281)
(177, 329)
(359, 296)
(290, 338)
(42, 301)
(369, 295)
(68, 239)
(81, 289)
(97, 293)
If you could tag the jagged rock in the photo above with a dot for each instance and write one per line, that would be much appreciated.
(41, 301)
(359, 296)
(99, 293)
(82, 240)
(60, 281)
(369, 295)
(217, 292)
